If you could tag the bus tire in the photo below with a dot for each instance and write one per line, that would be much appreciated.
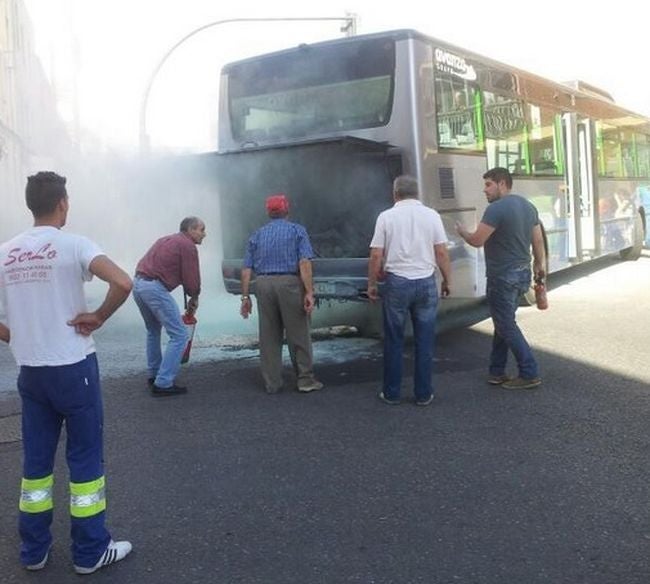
(634, 253)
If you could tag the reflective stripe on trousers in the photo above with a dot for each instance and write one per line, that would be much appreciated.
(87, 499)
(36, 495)
(51, 397)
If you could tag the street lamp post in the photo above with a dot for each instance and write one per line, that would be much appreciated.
(349, 28)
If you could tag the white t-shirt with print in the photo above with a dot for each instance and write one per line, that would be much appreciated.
(42, 274)
(407, 233)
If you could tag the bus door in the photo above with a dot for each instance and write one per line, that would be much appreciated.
(588, 210)
(572, 190)
(580, 207)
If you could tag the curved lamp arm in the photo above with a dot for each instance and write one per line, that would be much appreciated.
(349, 27)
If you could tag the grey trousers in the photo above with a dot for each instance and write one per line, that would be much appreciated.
(280, 308)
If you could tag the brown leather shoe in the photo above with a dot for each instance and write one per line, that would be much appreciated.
(498, 379)
(313, 385)
(521, 383)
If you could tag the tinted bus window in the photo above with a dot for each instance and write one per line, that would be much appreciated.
(643, 154)
(505, 133)
(608, 144)
(457, 106)
(305, 92)
(543, 143)
(628, 154)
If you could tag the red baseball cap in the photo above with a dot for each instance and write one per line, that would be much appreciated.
(277, 203)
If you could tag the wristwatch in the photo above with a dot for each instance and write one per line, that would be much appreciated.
(245, 297)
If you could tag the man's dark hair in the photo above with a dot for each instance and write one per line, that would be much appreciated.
(499, 174)
(188, 223)
(405, 187)
(43, 192)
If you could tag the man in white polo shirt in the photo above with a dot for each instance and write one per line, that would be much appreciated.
(408, 244)
(42, 273)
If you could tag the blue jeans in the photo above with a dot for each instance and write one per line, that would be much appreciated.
(158, 310)
(503, 294)
(419, 298)
(51, 396)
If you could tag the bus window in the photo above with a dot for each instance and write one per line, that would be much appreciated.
(457, 108)
(296, 94)
(543, 144)
(628, 154)
(609, 151)
(505, 133)
(643, 154)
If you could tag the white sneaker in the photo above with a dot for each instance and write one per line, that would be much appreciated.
(40, 565)
(116, 551)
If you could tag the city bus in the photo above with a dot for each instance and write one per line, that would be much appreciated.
(331, 124)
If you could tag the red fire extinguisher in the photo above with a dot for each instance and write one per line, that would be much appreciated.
(540, 292)
(189, 320)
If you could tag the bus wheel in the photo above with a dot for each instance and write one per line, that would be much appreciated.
(634, 253)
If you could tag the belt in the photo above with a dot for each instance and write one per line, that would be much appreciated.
(278, 274)
(141, 276)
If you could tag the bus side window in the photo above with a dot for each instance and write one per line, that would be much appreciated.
(643, 154)
(456, 105)
(608, 144)
(505, 136)
(543, 144)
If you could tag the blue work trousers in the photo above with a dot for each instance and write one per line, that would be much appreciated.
(50, 396)
(503, 295)
(402, 297)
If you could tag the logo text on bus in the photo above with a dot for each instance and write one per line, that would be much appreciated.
(454, 64)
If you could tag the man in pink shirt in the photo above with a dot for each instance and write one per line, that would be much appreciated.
(171, 261)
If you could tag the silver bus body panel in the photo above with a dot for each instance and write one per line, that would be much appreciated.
(577, 224)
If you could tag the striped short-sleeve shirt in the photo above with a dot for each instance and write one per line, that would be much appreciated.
(277, 248)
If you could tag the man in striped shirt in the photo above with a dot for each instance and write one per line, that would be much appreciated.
(280, 253)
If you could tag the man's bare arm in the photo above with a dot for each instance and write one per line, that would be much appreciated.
(478, 237)
(5, 335)
(539, 252)
(374, 268)
(119, 288)
(246, 306)
(308, 282)
(444, 264)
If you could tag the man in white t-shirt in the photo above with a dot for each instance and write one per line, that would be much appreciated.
(410, 242)
(42, 273)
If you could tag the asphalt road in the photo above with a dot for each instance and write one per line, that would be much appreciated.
(486, 486)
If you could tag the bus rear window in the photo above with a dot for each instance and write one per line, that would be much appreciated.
(304, 92)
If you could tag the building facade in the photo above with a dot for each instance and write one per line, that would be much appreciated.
(32, 135)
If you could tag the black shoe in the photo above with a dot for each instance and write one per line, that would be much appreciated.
(151, 381)
(386, 400)
(424, 401)
(173, 390)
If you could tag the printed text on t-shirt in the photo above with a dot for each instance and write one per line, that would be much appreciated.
(17, 255)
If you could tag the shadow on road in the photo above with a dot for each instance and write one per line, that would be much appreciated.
(228, 484)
